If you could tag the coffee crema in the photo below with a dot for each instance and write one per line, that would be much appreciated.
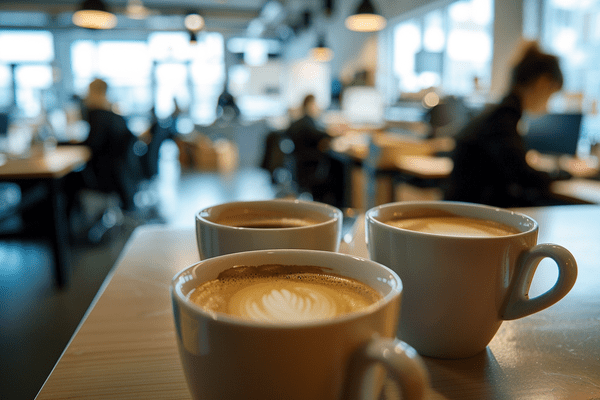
(443, 223)
(283, 293)
(266, 220)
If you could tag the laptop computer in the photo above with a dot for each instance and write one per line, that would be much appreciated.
(554, 134)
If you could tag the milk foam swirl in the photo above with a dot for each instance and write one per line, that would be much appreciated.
(295, 302)
(282, 293)
(454, 226)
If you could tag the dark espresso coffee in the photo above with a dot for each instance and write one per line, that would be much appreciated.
(266, 220)
(442, 223)
(283, 293)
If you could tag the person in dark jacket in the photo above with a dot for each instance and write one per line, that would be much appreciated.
(113, 166)
(490, 164)
(316, 173)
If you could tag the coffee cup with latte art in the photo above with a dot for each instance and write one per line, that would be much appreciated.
(267, 224)
(465, 269)
(292, 324)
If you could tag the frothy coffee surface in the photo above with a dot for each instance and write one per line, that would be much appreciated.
(453, 225)
(266, 220)
(282, 293)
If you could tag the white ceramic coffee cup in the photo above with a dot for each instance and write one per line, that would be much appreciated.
(225, 357)
(458, 290)
(215, 239)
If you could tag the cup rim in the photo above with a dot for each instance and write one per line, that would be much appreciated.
(459, 205)
(177, 295)
(336, 213)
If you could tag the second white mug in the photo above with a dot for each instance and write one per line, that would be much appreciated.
(465, 269)
(267, 224)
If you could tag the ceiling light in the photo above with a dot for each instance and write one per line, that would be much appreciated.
(93, 14)
(193, 22)
(365, 19)
(321, 52)
(136, 10)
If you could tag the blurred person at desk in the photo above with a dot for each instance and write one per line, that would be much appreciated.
(227, 109)
(490, 165)
(315, 172)
(113, 167)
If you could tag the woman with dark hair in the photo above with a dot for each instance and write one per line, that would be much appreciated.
(489, 158)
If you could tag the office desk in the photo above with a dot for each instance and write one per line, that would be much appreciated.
(418, 161)
(49, 168)
(125, 347)
(385, 159)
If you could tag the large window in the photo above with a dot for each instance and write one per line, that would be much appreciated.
(446, 48)
(125, 65)
(162, 72)
(571, 30)
(26, 73)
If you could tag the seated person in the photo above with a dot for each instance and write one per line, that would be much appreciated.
(316, 173)
(113, 165)
(489, 159)
(227, 109)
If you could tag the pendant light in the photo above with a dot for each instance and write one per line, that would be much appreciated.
(136, 9)
(365, 19)
(93, 14)
(322, 52)
(193, 22)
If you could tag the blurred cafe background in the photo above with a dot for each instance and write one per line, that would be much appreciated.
(210, 89)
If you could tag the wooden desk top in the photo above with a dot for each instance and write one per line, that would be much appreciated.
(579, 190)
(425, 167)
(125, 347)
(51, 164)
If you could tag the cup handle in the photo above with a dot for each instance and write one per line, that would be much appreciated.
(518, 303)
(402, 362)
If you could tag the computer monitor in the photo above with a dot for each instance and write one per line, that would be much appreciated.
(554, 133)
(363, 106)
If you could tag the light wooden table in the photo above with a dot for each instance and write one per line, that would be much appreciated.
(125, 348)
(47, 169)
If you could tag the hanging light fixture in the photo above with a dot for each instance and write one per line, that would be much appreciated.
(321, 52)
(93, 14)
(193, 37)
(136, 9)
(365, 19)
(193, 22)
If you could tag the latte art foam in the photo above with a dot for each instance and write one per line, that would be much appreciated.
(284, 297)
(454, 226)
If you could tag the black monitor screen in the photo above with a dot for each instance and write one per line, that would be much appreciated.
(554, 133)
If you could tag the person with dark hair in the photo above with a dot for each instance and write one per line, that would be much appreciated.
(315, 172)
(490, 164)
(113, 165)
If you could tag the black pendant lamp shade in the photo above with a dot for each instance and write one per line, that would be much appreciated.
(93, 14)
(365, 19)
(322, 52)
(193, 37)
